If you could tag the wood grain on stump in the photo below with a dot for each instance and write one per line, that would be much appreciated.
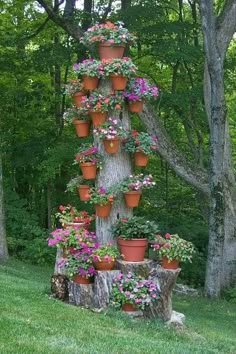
(138, 268)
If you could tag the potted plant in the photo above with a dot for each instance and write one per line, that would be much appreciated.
(80, 118)
(137, 90)
(111, 39)
(70, 216)
(132, 292)
(132, 187)
(97, 105)
(90, 70)
(132, 235)
(75, 88)
(89, 160)
(119, 70)
(141, 145)
(77, 184)
(102, 199)
(110, 133)
(104, 256)
(172, 249)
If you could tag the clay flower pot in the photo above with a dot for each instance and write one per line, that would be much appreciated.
(132, 198)
(104, 264)
(132, 250)
(128, 307)
(140, 159)
(81, 280)
(98, 117)
(107, 50)
(135, 106)
(83, 191)
(82, 127)
(90, 82)
(111, 146)
(77, 99)
(174, 264)
(88, 169)
(118, 81)
(103, 210)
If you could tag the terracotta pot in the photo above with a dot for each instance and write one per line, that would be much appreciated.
(77, 99)
(104, 265)
(103, 210)
(128, 307)
(88, 169)
(111, 146)
(136, 106)
(81, 280)
(132, 198)
(118, 81)
(83, 191)
(82, 127)
(108, 51)
(98, 117)
(140, 159)
(132, 250)
(71, 224)
(90, 82)
(174, 264)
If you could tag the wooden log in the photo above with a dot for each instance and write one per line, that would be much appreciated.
(166, 279)
(102, 287)
(81, 294)
(139, 268)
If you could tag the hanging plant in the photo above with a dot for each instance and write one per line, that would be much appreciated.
(89, 160)
(110, 132)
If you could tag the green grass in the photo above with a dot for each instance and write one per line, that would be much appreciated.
(31, 322)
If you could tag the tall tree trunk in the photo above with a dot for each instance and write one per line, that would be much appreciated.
(3, 239)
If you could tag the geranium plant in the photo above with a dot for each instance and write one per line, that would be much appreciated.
(114, 33)
(139, 88)
(88, 153)
(106, 251)
(134, 227)
(69, 214)
(111, 129)
(124, 67)
(140, 142)
(80, 113)
(73, 86)
(136, 183)
(132, 289)
(89, 67)
(174, 248)
(100, 195)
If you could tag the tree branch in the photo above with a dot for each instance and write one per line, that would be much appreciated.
(226, 25)
(197, 178)
(38, 30)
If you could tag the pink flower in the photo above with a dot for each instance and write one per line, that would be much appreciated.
(167, 235)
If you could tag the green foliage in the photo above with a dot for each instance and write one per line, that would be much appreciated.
(230, 295)
(134, 227)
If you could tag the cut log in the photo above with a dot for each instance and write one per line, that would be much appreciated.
(80, 294)
(139, 268)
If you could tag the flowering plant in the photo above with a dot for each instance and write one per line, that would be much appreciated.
(80, 263)
(74, 236)
(109, 130)
(88, 153)
(139, 88)
(100, 195)
(72, 113)
(69, 214)
(140, 142)
(124, 66)
(107, 251)
(75, 182)
(135, 183)
(134, 227)
(174, 247)
(114, 33)
(132, 289)
(73, 86)
(90, 67)
(97, 102)
(116, 100)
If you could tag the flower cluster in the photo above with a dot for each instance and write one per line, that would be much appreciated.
(132, 289)
(136, 182)
(73, 86)
(75, 182)
(88, 153)
(174, 247)
(73, 236)
(89, 67)
(69, 214)
(102, 102)
(109, 130)
(139, 88)
(140, 142)
(107, 252)
(134, 227)
(124, 66)
(100, 195)
(114, 33)
(72, 113)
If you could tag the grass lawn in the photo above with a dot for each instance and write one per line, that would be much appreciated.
(31, 322)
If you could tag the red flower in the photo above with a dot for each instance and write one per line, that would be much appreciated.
(134, 132)
(61, 207)
(167, 235)
(137, 142)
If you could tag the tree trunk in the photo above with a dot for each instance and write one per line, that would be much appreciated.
(3, 240)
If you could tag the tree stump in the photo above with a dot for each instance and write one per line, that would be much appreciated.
(80, 294)
(139, 268)
(162, 307)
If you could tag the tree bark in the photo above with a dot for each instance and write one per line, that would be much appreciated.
(3, 239)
